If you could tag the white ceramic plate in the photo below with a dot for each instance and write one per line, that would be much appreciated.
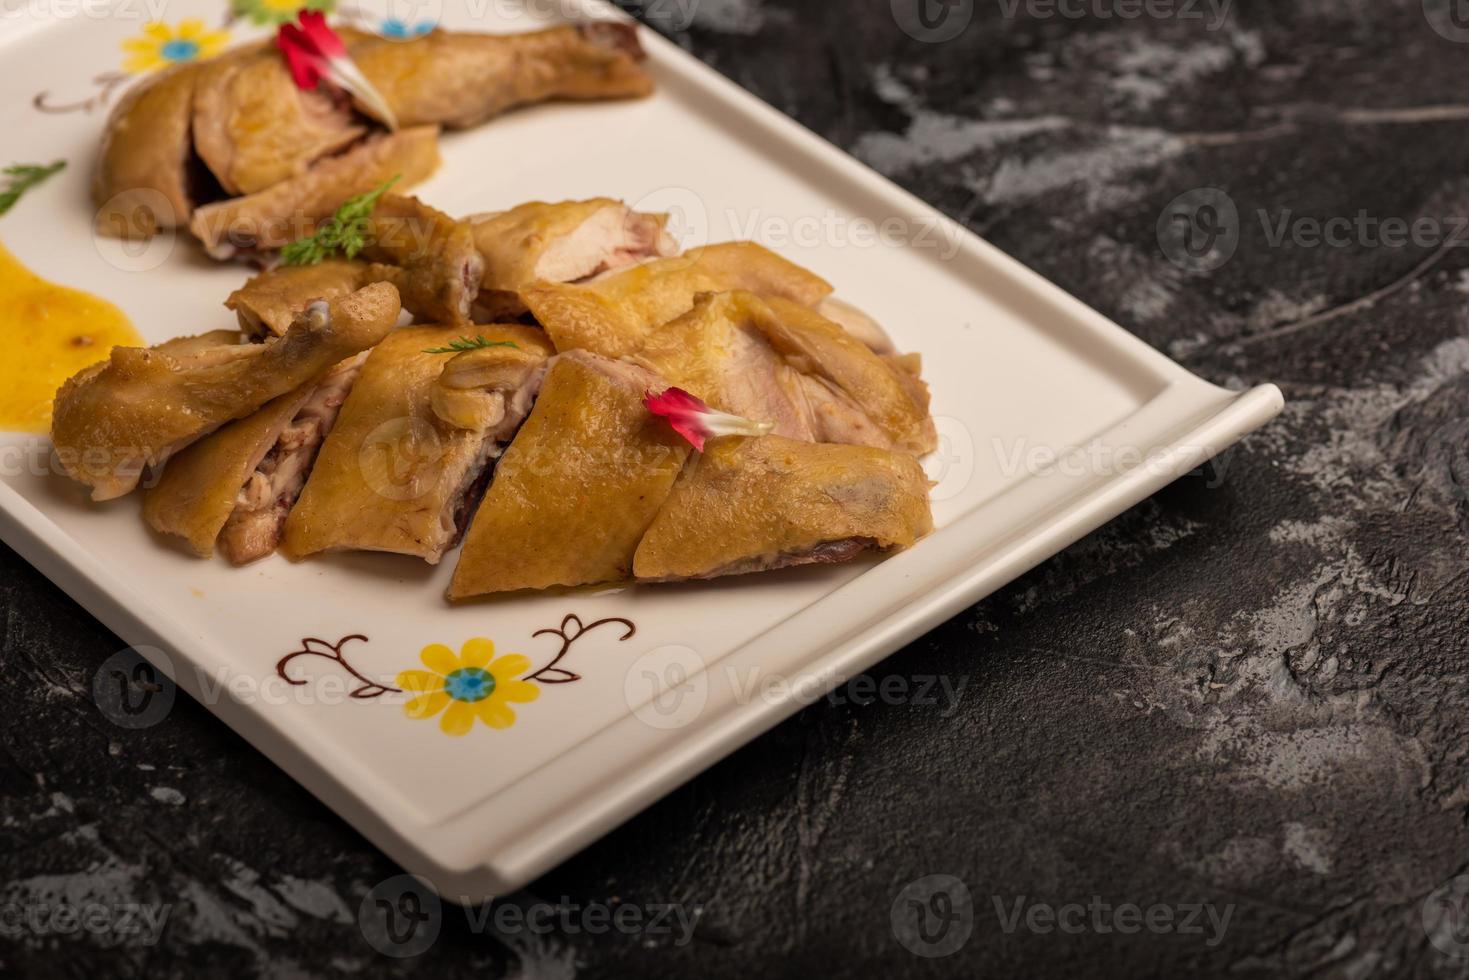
(1018, 370)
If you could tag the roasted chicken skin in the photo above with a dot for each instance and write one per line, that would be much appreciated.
(458, 80)
(290, 209)
(844, 372)
(198, 490)
(575, 491)
(237, 485)
(268, 303)
(253, 127)
(614, 314)
(782, 362)
(429, 256)
(753, 504)
(393, 476)
(567, 241)
(141, 406)
(140, 185)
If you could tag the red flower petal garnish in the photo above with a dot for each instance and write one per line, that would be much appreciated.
(696, 421)
(314, 51)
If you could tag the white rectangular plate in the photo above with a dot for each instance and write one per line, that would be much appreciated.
(1018, 369)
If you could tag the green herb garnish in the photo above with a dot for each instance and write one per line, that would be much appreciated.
(22, 177)
(464, 343)
(345, 232)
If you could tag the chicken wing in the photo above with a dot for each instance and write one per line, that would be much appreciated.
(393, 476)
(141, 181)
(458, 80)
(753, 504)
(577, 488)
(268, 303)
(253, 127)
(141, 406)
(569, 241)
(289, 210)
(428, 255)
(614, 314)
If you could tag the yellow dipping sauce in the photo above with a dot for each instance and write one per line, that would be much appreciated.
(47, 334)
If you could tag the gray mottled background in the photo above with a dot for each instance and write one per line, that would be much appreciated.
(1248, 693)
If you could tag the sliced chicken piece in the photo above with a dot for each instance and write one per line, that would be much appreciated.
(857, 323)
(141, 406)
(577, 488)
(268, 303)
(717, 352)
(889, 394)
(428, 255)
(253, 127)
(458, 80)
(243, 479)
(782, 362)
(284, 212)
(489, 390)
(264, 501)
(142, 177)
(392, 476)
(209, 340)
(753, 504)
(613, 314)
(200, 485)
(569, 241)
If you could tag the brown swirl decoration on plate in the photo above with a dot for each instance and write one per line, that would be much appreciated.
(474, 685)
(552, 674)
(310, 647)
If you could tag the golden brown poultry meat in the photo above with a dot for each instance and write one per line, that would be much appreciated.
(237, 485)
(568, 241)
(140, 406)
(754, 504)
(457, 80)
(392, 475)
(575, 491)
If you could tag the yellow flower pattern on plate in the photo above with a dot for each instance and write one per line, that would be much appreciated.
(160, 46)
(472, 685)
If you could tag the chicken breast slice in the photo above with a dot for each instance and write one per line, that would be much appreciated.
(568, 241)
(614, 314)
(575, 491)
(141, 406)
(755, 504)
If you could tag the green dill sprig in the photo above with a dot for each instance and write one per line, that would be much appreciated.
(345, 232)
(464, 343)
(22, 177)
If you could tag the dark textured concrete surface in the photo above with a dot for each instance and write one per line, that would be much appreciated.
(1250, 693)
